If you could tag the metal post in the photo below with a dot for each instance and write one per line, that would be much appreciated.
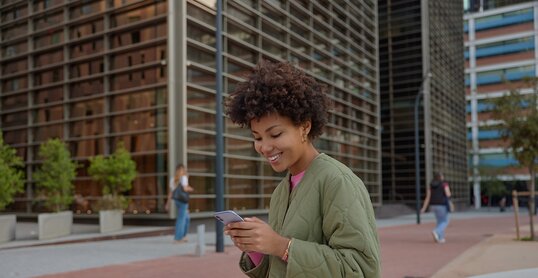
(200, 241)
(515, 204)
(417, 158)
(417, 146)
(219, 163)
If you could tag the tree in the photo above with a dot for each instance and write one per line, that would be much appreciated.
(519, 125)
(54, 178)
(116, 173)
(12, 177)
(493, 187)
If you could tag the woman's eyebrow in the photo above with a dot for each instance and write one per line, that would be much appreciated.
(266, 130)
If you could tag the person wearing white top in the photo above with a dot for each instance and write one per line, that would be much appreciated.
(183, 219)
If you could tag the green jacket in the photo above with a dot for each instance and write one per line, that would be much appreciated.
(331, 222)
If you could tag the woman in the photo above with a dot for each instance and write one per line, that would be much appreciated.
(321, 220)
(437, 195)
(182, 221)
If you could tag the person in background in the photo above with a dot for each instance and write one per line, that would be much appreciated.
(321, 219)
(183, 220)
(502, 204)
(436, 197)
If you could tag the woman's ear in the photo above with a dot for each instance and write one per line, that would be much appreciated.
(306, 126)
(305, 130)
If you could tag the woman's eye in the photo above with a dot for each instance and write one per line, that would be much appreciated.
(276, 135)
(257, 138)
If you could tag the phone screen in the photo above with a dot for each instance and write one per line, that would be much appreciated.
(228, 216)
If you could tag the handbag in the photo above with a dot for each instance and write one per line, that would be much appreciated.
(180, 194)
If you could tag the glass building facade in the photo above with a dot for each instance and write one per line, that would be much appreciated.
(472, 6)
(500, 53)
(421, 50)
(96, 73)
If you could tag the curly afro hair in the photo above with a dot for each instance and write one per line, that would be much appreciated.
(281, 88)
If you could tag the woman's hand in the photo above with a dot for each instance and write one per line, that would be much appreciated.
(255, 235)
(167, 205)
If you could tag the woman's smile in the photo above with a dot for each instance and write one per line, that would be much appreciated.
(281, 142)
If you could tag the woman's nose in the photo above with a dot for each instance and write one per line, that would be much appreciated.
(264, 148)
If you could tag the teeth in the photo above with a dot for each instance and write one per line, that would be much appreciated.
(273, 158)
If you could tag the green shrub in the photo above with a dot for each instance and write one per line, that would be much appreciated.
(11, 177)
(116, 174)
(54, 178)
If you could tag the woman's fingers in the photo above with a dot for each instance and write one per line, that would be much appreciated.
(252, 234)
(254, 220)
(239, 233)
(243, 243)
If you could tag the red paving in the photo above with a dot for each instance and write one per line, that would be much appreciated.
(406, 251)
(409, 250)
(211, 265)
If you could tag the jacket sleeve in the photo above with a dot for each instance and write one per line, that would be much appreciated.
(352, 248)
(251, 270)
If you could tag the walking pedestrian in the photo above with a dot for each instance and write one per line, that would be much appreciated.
(180, 178)
(437, 198)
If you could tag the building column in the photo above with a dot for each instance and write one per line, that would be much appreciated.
(475, 152)
(428, 147)
(177, 89)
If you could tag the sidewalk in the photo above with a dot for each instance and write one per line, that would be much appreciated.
(409, 251)
(478, 242)
(26, 235)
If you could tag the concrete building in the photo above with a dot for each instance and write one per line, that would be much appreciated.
(500, 51)
(421, 53)
(98, 72)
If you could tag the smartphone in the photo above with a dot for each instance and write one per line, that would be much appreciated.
(228, 216)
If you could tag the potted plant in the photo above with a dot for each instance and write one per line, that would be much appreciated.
(116, 174)
(11, 183)
(54, 183)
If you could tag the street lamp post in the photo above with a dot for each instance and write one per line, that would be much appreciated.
(417, 150)
(219, 158)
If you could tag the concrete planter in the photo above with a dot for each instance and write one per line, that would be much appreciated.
(7, 227)
(110, 220)
(53, 225)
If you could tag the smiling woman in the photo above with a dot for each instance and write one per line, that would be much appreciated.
(282, 143)
(320, 214)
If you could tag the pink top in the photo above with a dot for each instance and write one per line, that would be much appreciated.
(294, 180)
(257, 257)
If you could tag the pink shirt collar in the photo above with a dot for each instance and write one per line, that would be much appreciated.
(294, 180)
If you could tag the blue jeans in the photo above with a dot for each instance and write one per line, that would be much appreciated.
(441, 215)
(182, 221)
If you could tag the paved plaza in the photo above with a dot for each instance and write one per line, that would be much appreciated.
(478, 243)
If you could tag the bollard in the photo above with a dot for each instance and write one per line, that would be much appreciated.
(200, 241)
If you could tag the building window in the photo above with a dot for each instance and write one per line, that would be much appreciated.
(502, 75)
(55, 75)
(10, 51)
(505, 47)
(505, 19)
(135, 37)
(497, 160)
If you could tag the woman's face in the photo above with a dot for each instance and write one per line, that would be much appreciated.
(281, 142)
